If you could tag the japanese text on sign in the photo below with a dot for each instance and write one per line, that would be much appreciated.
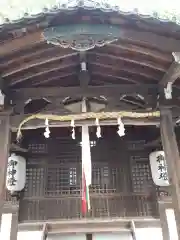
(162, 167)
(11, 181)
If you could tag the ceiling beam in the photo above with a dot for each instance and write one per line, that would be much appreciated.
(101, 52)
(118, 67)
(127, 77)
(129, 46)
(91, 91)
(167, 44)
(159, 42)
(57, 78)
(42, 71)
(37, 62)
(29, 40)
(28, 54)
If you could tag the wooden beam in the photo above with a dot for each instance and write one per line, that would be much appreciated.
(4, 152)
(102, 52)
(91, 91)
(163, 43)
(166, 44)
(129, 68)
(163, 220)
(90, 226)
(129, 46)
(38, 82)
(173, 159)
(16, 148)
(19, 43)
(109, 76)
(27, 54)
(171, 75)
(37, 62)
(40, 72)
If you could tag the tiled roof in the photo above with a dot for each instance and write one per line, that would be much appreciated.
(12, 11)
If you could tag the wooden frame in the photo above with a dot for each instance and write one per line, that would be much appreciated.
(172, 157)
(95, 225)
(90, 91)
(4, 153)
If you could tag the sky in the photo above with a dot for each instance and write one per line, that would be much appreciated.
(15, 9)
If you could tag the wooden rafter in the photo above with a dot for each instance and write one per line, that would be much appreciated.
(23, 42)
(58, 77)
(27, 54)
(38, 62)
(131, 46)
(139, 70)
(108, 77)
(42, 71)
(133, 59)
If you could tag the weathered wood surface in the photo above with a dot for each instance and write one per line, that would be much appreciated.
(91, 91)
(4, 153)
(172, 157)
(84, 226)
(162, 42)
(171, 75)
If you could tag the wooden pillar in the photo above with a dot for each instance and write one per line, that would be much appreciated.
(173, 160)
(14, 226)
(168, 222)
(164, 223)
(4, 151)
(9, 223)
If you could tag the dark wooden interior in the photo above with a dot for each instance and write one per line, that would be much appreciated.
(121, 178)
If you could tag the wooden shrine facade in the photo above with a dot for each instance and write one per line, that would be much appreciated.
(121, 179)
(122, 66)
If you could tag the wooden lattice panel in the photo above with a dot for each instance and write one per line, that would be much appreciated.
(35, 176)
(141, 174)
(62, 179)
(38, 148)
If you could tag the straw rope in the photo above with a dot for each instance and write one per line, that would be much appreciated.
(89, 115)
